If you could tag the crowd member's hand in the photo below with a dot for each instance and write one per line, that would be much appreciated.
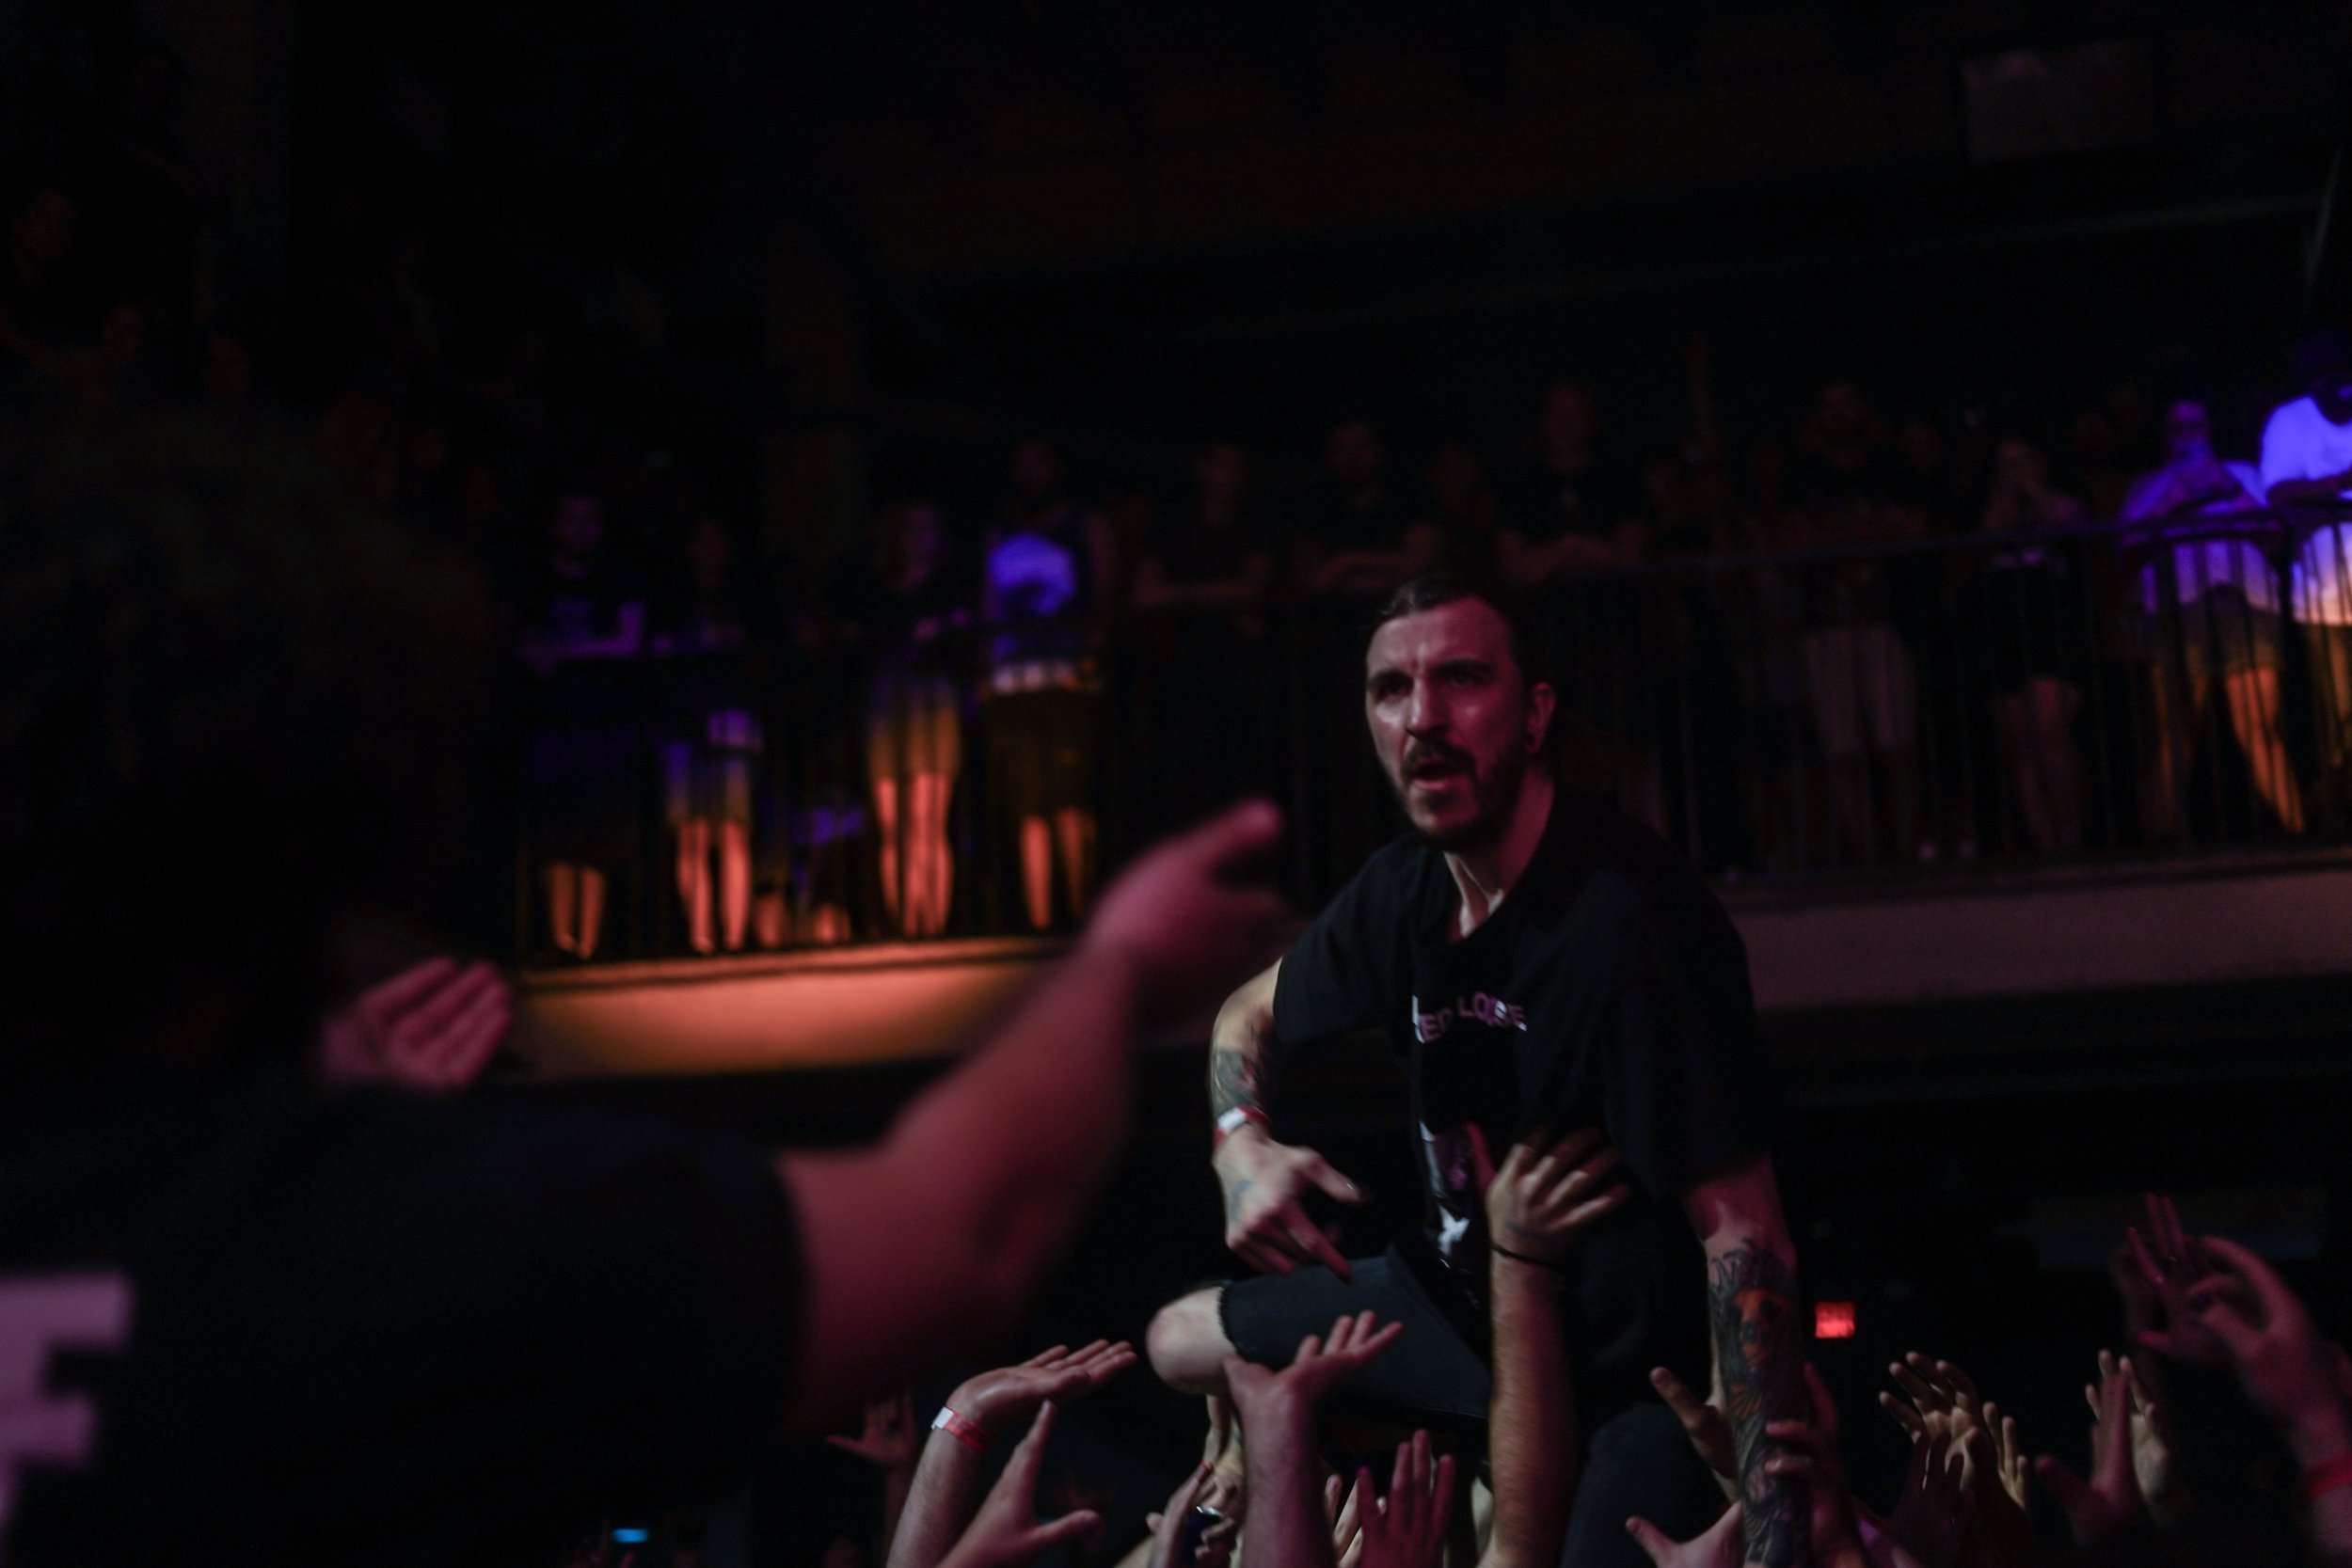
(1006, 1529)
(1943, 1401)
(1227, 1490)
(1704, 1424)
(1932, 1512)
(2289, 1371)
(1266, 1224)
(1343, 1504)
(1186, 917)
(1940, 1397)
(1722, 1545)
(2173, 1262)
(1406, 1529)
(1000, 1400)
(1548, 1193)
(2098, 1509)
(1168, 1526)
(1808, 1456)
(2154, 1463)
(1265, 1398)
(889, 1440)
(433, 1026)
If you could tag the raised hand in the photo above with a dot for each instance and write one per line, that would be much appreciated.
(999, 1400)
(1406, 1528)
(1721, 1545)
(889, 1440)
(2289, 1372)
(1168, 1526)
(1704, 1424)
(1184, 913)
(1942, 1397)
(1006, 1530)
(2097, 1509)
(1297, 1391)
(1265, 1223)
(1346, 1511)
(2173, 1262)
(434, 1027)
(1548, 1193)
(1933, 1509)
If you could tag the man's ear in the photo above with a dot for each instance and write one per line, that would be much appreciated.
(1540, 704)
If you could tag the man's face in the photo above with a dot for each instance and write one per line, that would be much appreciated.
(1354, 455)
(1453, 719)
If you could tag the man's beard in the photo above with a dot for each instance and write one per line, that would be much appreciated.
(1492, 793)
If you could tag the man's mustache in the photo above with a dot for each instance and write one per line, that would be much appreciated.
(1433, 751)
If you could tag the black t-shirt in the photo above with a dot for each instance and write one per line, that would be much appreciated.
(1547, 505)
(1338, 526)
(1608, 989)
(374, 1328)
(1847, 503)
(587, 693)
(1191, 551)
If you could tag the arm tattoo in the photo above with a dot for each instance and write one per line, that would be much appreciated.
(1240, 1077)
(1751, 1297)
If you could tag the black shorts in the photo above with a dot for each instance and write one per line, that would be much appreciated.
(1433, 1372)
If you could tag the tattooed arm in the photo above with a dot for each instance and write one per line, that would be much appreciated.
(1759, 1346)
(1264, 1180)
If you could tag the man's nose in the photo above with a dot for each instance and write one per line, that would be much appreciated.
(1425, 713)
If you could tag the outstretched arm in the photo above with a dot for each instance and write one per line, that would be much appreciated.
(932, 1242)
(1759, 1346)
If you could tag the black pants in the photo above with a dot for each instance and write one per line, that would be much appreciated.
(1636, 1461)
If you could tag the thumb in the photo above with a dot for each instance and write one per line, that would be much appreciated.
(1228, 840)
(1318, 1170)
(1652, 1540)
(1043, 1538)
(1022, 1468)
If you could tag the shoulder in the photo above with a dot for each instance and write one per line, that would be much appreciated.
(1641, 896)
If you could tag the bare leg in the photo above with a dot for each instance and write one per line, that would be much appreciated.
(2254, 699)
(928, 843)
(1075, 827)
(693, 880)
(2163, 772)
(893, 863)
(2024, 779)
(563, 905)
(1187, 1345)
(2055, 705)
(591, 910)
(735, 883)
(1036, 871)
(772, 921)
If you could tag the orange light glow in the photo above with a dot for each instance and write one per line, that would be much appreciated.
(1832, 1320)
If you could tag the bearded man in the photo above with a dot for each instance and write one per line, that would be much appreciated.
(1535, 959)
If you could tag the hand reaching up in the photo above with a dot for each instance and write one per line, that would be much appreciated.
(1548, 1193)
(1703, 1423)
(2110, 1502)
(1187, 915)
(1406, 1529)
(433, 1027)
(1006, 1532)
(1931, 1511)
(1264, 1397)
(1722, 1545)
(1001, 1399)
(2173, 1262)
(2289, 1372)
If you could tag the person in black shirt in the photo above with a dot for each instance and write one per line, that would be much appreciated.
(245, 1320)
(1533, 958)
(1364, 541)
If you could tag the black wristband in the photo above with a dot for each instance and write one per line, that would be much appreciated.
(1523, 1257)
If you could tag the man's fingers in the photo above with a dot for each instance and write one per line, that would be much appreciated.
(1585, 1214)
(1043, 1538)
(390, 999)
(1653, 1540)
(2147, 1265)
(1905, 1416)
(1228, 841)
(446, 1004)
(2061, 1483)
(1318, 1170)
(1313, 1246)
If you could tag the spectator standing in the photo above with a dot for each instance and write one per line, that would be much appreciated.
(2028, 620)
(1861, 682)
(712, 741)
(1048, 574)
(2227, 626)
(918, 615)
(2307, 462)
(1365, 540)
(1200, 597)
(1463, 508)
(582, 641)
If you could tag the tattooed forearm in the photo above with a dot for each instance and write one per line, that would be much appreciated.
(1752, 1295)
(1239, 1076)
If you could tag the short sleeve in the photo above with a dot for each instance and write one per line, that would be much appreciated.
(1689, 1088)
(1339, 975)
(2280, 461)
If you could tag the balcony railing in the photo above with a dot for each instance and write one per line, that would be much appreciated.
(1924, 704)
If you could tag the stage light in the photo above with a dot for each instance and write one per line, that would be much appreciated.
(1832, 1320)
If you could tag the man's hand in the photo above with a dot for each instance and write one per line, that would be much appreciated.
(433, 1027)
(1266, 1399)
(1006, 1530)
(1168, 1527)
(1703, 1423)
(1720, 1546)
(1406, 1528)
(1265, 1225)
(2109, 1502)
(1548, 1193)
(1933, 1509)
(1001, 1399)
(889, 1440)
(2289, 1372)
(2173, 1262)
(1184, 916)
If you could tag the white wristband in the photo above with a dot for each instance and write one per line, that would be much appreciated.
(1236, 1119)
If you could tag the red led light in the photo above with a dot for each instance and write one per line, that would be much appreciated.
(1832, 1320)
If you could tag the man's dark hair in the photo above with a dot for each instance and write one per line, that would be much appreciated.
(237, 702)
(1444, 585)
